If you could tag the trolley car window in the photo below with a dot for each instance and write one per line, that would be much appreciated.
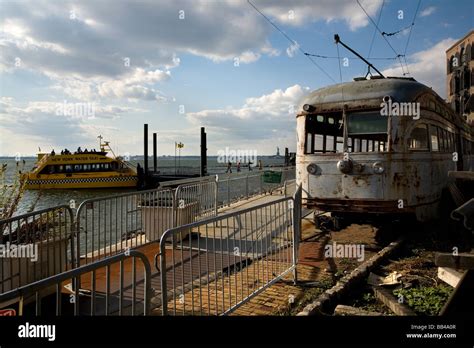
(418, 139)
(434, 138)
(441, 139)
(446, 141)
(367, 123)
(339, 144)
(330, 143)
(323, 133)
(367, 131)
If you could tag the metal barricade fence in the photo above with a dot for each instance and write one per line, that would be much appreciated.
(289, 187)
(213, 266)
(195, 201)
(35, 245)
(110, 225)
(234, 188)
(106, 226)
(105, 289)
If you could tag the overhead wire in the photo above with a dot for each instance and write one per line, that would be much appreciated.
(352, 58)
(375, 30)
(380, 31)
(409, 34)
(293, 42)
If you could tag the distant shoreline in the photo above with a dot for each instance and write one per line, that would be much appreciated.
(135, 157)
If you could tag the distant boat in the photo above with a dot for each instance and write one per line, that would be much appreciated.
(91, 169)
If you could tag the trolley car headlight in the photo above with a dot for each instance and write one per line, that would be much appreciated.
(308, 107)
(378, 168)
(312, 168)
(345, 166)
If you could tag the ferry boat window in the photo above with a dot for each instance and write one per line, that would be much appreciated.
(68, 168)
(87, 167)
(434, 138)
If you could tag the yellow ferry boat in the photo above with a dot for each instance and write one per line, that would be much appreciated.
(81, 169)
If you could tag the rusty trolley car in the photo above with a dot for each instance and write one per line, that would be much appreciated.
(352, 158)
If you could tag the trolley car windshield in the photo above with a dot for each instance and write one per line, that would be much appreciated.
(367, 132)
(366, 123)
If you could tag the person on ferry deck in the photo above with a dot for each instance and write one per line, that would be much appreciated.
(79, 150)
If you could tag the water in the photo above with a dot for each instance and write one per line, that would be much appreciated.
(48, 198)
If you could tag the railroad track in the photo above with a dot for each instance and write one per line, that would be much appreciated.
(408, 283)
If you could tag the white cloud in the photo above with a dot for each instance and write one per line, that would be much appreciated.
(100, 34)
(292, 49)
(38, 123)
(299, 12)
(134, 86)
(82, 46)
(427, 11)
(427, 66)
(249, 57)
(259, 119)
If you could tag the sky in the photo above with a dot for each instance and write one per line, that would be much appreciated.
(73, 70)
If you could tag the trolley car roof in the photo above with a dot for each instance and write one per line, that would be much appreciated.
(399, 89)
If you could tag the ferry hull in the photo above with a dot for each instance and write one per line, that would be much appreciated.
(82, 183)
